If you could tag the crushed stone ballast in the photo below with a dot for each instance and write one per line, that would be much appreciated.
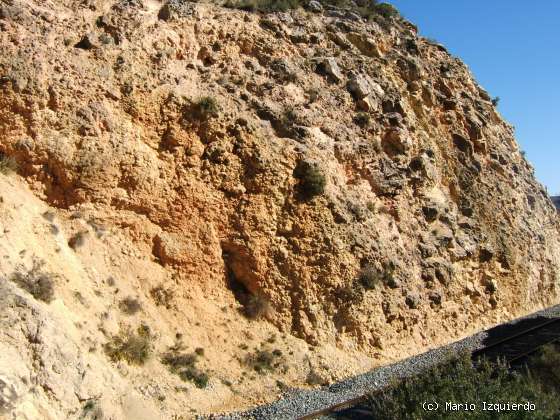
(304, 404)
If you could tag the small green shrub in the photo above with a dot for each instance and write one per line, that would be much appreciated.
(370, 277)
(130, 305)
(386, 10)
(545, 366)
(263, 5)
(35, 281)
(496, 101)
(199, 378)
(289, 117)
(78, 240)
(256, 306)
(206, 107)
(349, 295)
(458, 380)
(134, 348)
(312, 180)
(263, 361)
(177, 361)
(92, 411)
(162, 296)
(184, 366)
(375, 11)
(8, 164)
(362, 119)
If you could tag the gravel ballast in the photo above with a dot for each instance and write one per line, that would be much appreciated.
(302, 403)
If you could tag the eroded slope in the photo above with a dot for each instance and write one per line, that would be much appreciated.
(345, 182)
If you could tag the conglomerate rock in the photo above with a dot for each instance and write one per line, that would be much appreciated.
(178, 127)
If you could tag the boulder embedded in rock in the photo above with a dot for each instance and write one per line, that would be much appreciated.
(330, 67)
(435, 298)
(176, 8)
(411, 69)
(369, 103)
(364, 44)
(361, 86)
(396, 142)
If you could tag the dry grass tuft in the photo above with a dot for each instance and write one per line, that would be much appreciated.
(132, 347)
(37, 282)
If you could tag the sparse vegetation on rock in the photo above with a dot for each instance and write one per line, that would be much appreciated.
(162, 296)
(256, 306)
(370, 277)
(77, 240)
(263, 5)
(36, 281)
(184, 366)
(362, 119)
(312, 181)
(385, 9)
(240, 173)
(130, 305)
(206, 107)
(8, 165)
(459, 381)
(263, 361)
(132, 347)
(370, 10)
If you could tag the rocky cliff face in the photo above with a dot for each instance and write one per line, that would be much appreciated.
(298, 196)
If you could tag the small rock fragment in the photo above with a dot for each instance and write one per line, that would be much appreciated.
(486, 253)
(314, 6)
(330, 67)
(396, 142)
(361, 86)
(86, 43)
(430, 211)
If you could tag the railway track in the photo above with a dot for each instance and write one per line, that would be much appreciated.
(510, 343)
(521, 344)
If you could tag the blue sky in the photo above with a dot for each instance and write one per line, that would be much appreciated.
(513, 50)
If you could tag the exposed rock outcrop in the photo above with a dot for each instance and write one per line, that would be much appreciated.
(172, 134)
